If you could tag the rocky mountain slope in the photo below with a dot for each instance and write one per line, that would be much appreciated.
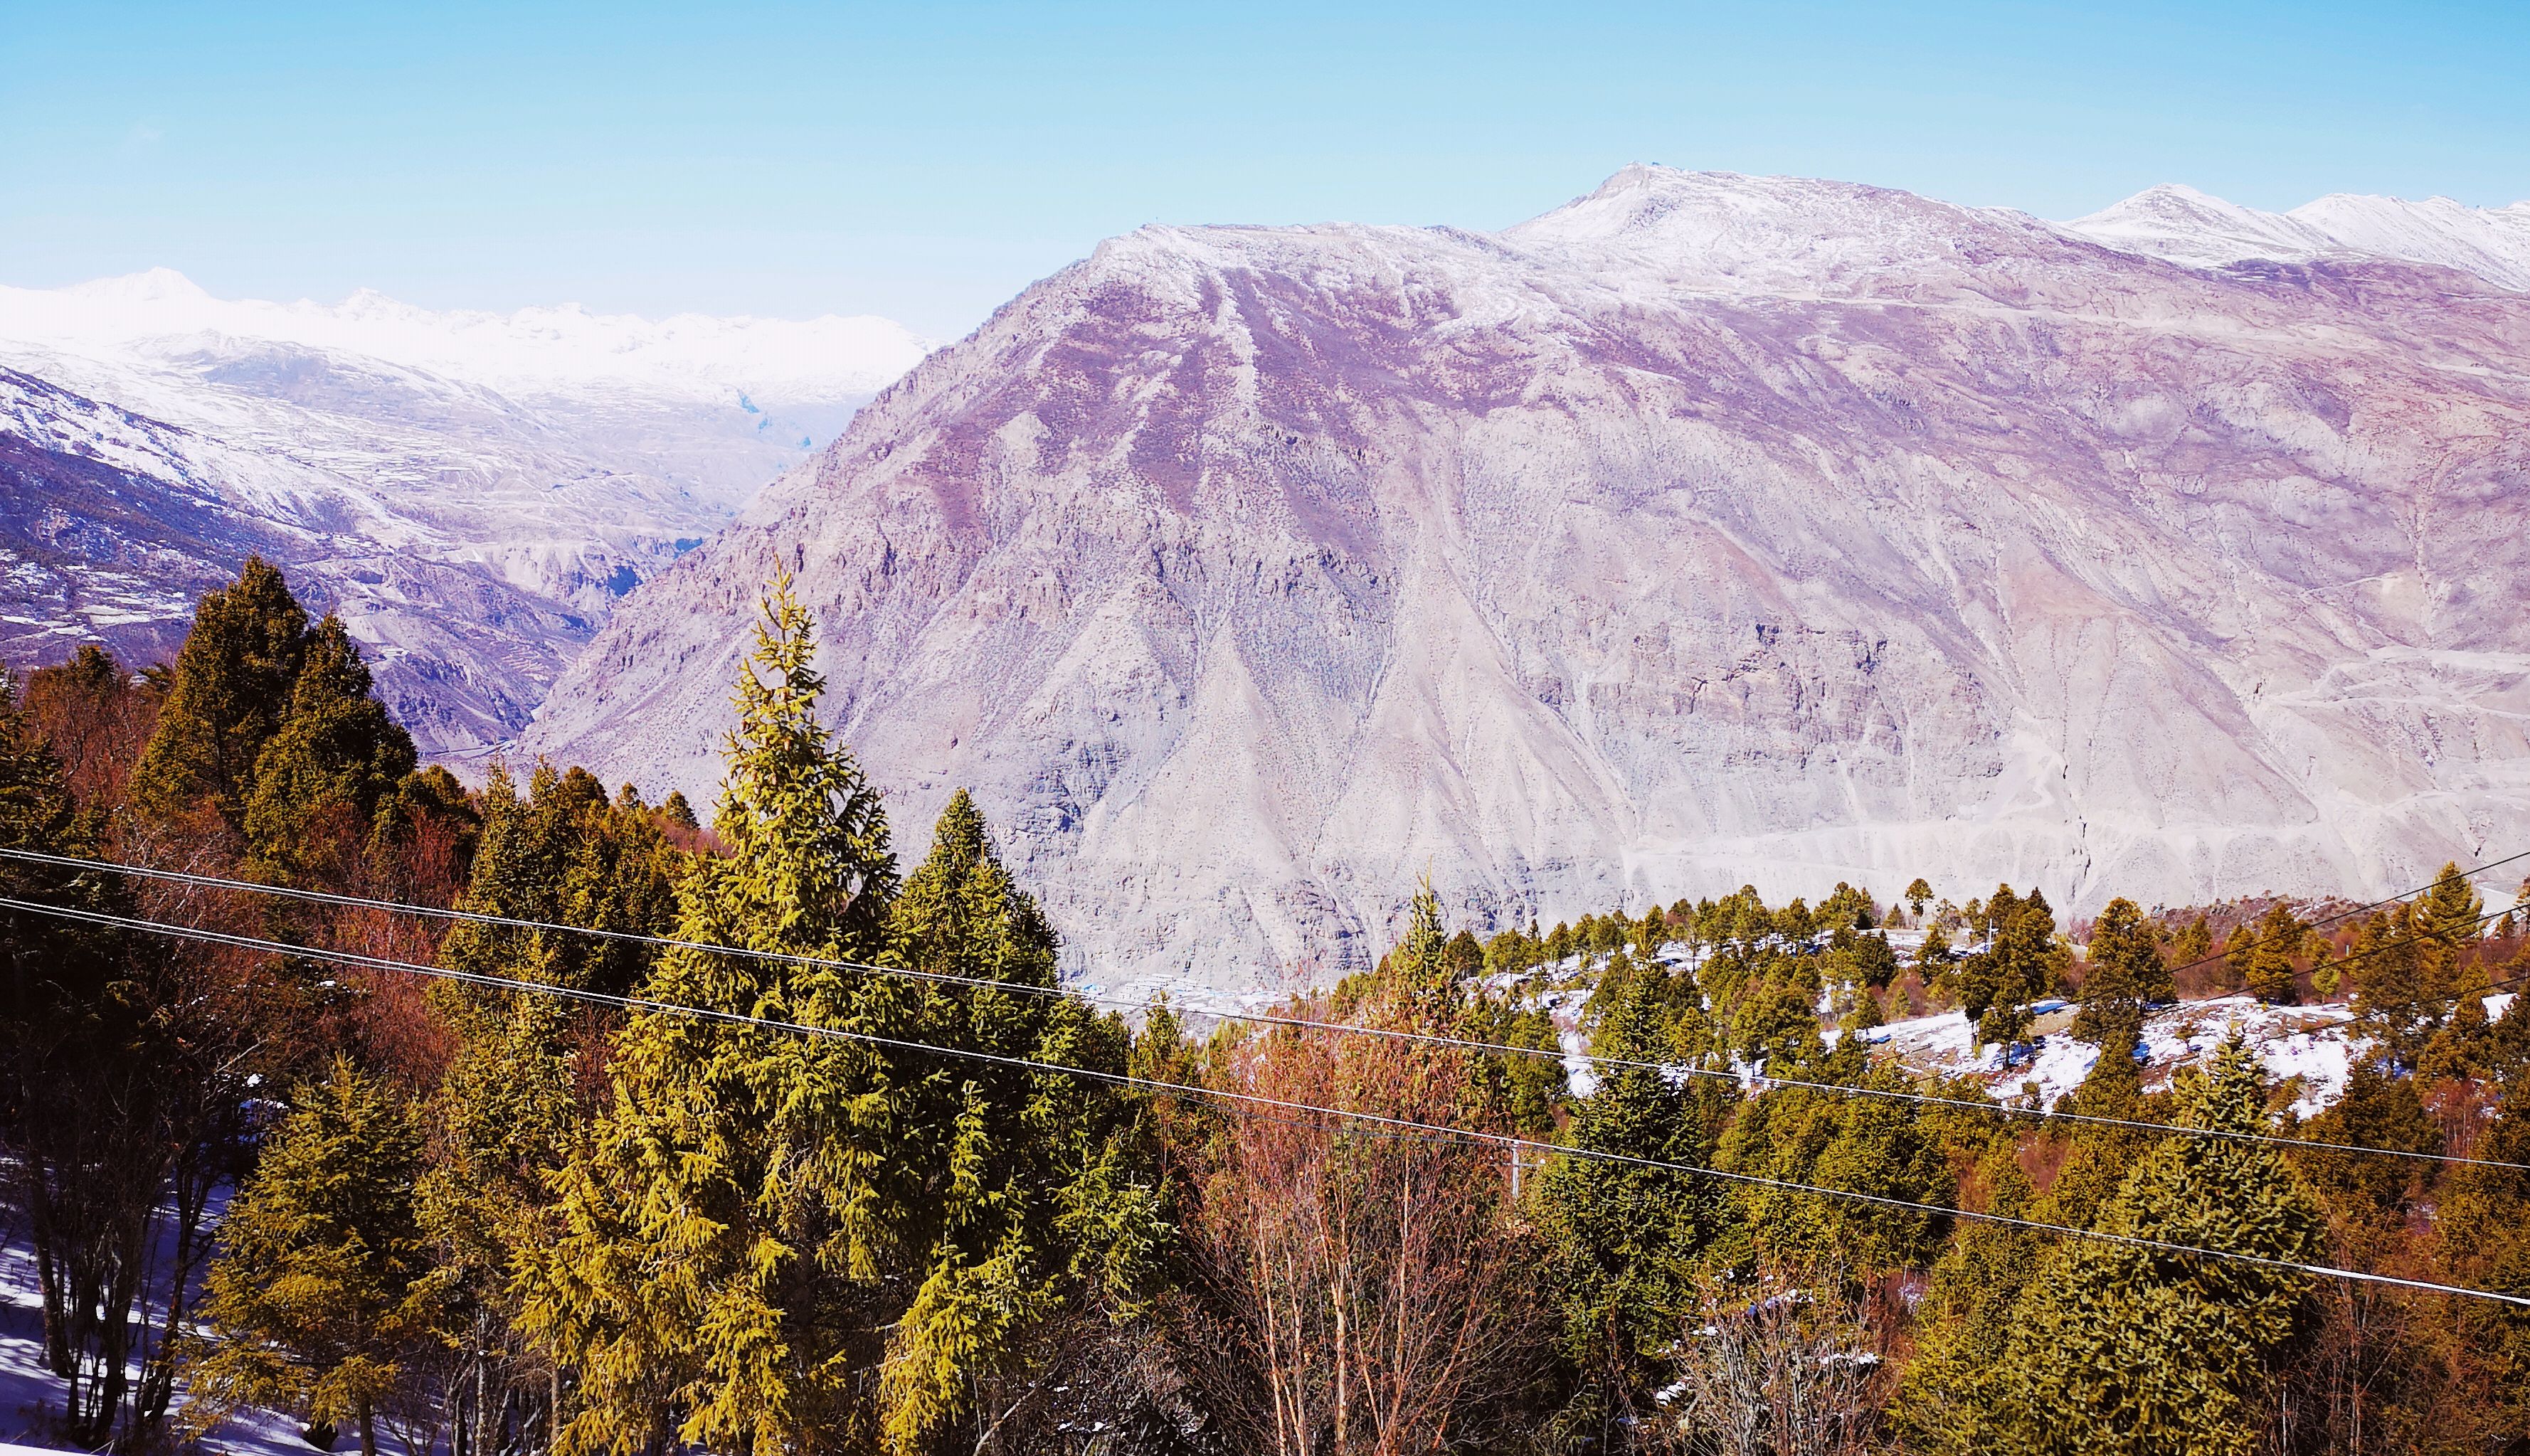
(473, 492)
(1710, 529)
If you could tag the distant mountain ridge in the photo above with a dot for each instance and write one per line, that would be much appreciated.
(2186, 225)
(473, 491)
(1709, 530)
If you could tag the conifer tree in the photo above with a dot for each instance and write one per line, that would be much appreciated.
(2021, 960)
(230, 690)
(2124, 974)
(779, 1241)
(335, 755)
(1036, 1198)
(2189, 948)
(1420, 965)
(1951, 1397)
(507, 1109)
(2484, 1244)
(2415, 970)
(2118, 1349)
(1918, 894)
(1625, 1238)
(1866, 1145)
(2237, 947)
(707, 1280)
(2268, 971)
(325, 1287)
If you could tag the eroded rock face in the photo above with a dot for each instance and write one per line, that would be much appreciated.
(1709, 530)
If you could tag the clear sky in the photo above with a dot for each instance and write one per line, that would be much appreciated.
(927, 161)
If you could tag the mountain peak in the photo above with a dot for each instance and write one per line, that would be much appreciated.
(152, 286)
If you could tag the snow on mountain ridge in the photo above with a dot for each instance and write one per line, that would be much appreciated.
(532, 351)
(2182, 225)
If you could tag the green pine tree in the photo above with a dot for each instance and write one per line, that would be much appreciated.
(709, 1278)
(2270, 970)
(778, 1241)
(1035, 1199)
(229, 693)
(2119, 1349)
(1950, 1398)
(2189, 948)
(334, 758)
(2124, 975)
(2484, 1244)
(2022, 961)
(1624, 1239)
(325, 1288)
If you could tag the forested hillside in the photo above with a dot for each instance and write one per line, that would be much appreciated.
(542, 1118)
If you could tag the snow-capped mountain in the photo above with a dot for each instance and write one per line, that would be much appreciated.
(1710, 529)
(2184, 225)
(473, 491)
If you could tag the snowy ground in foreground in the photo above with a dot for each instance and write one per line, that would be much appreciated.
(30, 1395)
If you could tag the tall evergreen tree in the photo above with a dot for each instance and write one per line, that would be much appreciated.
(2270, 970)
(781, 1241)
(1625, 1238)
(1950, 1400)
(2019, 963)
(1868, 1145)
(230, 690)
(1034, 1197)
(507, 1112)
(2484, 1244)
(2119, 1349)
(325, 1288)
(2414, 968)
(2189, 948)
(335, 755)
(2125, 975)
(709, 1279)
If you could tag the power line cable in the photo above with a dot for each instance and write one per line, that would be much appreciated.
(1260, 1018)
(1247, 1098)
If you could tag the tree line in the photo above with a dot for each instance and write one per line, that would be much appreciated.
(814, 1153)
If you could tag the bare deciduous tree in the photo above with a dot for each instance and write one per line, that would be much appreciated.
(1368, 1292)
(1780, 1366)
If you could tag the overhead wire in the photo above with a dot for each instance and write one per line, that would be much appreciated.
(1261, 1018)
(1248, 1099)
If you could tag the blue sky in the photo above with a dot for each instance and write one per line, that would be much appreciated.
(925, 162)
